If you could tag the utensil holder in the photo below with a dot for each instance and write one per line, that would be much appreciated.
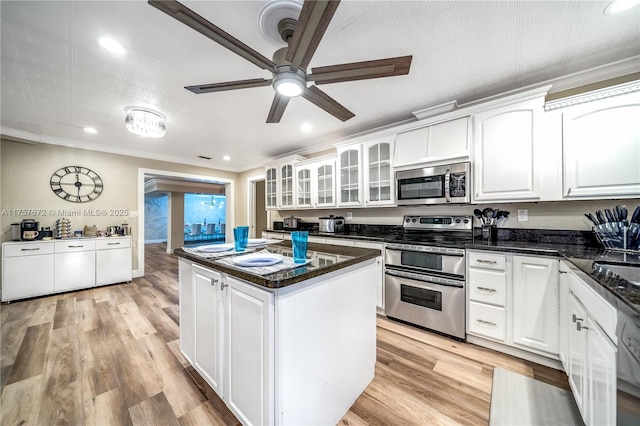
(621, 236)
(489, 233)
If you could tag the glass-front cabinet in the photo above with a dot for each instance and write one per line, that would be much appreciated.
(378, 172)
(350, 175)
(315, 183)
(279, 184)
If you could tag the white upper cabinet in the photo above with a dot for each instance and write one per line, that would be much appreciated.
(447, 141)
(601, 142)
(378, 172)
(279, 184)
(512, 148)
(349, 175)
(315, 183)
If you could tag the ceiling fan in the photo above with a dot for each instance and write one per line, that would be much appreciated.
(289, 64)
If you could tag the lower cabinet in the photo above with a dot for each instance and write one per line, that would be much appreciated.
(75, 265)
(250, 329)
(535, 303)
(38, 268)
(380, 270)
(591, 355)
(513, 300)
(225, 326)
(27, 270)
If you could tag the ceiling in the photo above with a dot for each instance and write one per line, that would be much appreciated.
(56, 79)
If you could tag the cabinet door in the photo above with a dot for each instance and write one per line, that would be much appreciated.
(113, 266)
(535, 303)
(286, 186)
(325, 184)
(208, 296)
(27, 276)
(504, 152)
(271, 188)
(349, 175)
(602, 376)
(379, 272)
(578, 356)
(601, 143)
(250, 331)
(303, 187)
(378, 173)
(187, 311)
(75, 270)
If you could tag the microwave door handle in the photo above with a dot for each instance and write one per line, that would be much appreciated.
(447, 180)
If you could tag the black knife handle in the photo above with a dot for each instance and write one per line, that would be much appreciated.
(592, 219)
(636, 215)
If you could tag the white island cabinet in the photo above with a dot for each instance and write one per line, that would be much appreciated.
(279, 357)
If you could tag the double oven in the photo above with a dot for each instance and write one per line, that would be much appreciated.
(425, 273)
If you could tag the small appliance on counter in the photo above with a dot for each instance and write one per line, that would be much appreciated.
(29, 230)
(63, 228)
(278, 226)
(291, 223)
(46, 233)
(15, 231)
(331, 225)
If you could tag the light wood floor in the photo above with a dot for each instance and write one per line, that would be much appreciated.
(110, 356)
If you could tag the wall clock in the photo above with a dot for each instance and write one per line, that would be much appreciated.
(76, 184)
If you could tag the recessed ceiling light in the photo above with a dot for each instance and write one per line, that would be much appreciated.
(619, 6)
(306, 127)
(91, 130)
(226, 158)
(111, 45)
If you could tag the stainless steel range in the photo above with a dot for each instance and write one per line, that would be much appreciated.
(425, 273)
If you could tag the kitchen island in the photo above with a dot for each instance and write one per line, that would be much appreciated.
(297, 346)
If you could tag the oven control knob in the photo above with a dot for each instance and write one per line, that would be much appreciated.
(408, 220)
(457, 220)
(466, 221)
(413, 220)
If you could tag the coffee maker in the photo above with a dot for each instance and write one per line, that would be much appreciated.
(29, 230)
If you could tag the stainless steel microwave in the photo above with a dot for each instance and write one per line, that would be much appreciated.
(447, 184)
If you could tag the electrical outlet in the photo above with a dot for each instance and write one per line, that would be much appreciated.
(523, 215)
(349, 215)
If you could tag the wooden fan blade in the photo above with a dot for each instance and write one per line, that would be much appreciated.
(312, 23)
(229, 85)
(277, 108)
(361, 70)
(327, 103)
(188, 17)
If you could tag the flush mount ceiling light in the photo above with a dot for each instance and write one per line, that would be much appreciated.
(145, 122)
(111, 45)
(90, 130)
(289, 83)
(619, 6)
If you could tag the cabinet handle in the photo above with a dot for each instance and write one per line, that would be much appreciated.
(490, 290)
(113, 244)
(569, 191)
(30, 249)
(213, 282)
(223, 285)
(490, 262)
(75, 246)
(574, 318)
(486, 322)
(562, 272)
(580, 327)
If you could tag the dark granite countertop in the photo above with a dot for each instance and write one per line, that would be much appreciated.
(372, 235)
(325, 259)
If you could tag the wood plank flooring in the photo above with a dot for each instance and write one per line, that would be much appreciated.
(110, 356)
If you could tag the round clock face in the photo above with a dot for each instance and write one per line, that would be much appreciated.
(76, 184)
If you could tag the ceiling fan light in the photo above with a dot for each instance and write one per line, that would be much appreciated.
(145, 122)
(289, 84)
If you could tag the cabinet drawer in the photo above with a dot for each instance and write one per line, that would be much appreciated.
(487, 260)
(487, 286)
(27, 249)
(113, 243)
(74, 245)
(487, 321)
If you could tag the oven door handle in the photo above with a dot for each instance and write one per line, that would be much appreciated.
(446, 252)
(424, 278)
